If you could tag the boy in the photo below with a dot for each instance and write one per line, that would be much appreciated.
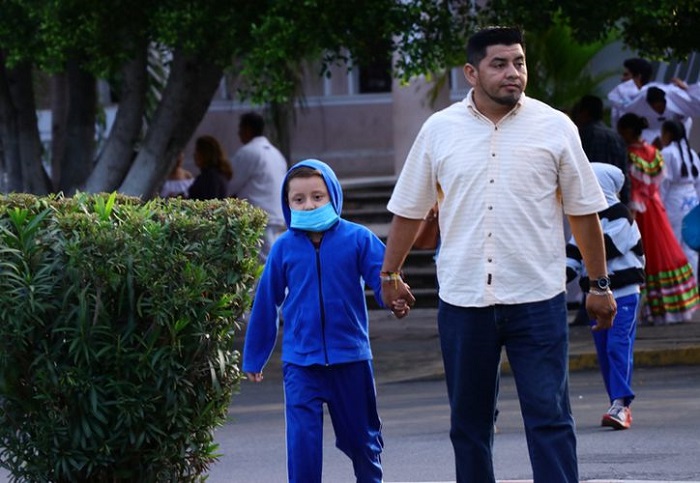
(316, 272)
(625, 259)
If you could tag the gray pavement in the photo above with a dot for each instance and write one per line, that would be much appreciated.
(408, 349)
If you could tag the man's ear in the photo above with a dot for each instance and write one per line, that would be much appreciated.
(470, 74)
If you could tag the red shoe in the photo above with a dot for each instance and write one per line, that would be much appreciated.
(617, 417)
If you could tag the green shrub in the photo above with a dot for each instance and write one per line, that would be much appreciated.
(117, 320)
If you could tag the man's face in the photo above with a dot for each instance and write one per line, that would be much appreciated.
(501, 76)
(626, 75)
(244, 134)
(658, 106)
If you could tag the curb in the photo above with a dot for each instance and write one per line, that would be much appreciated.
(689, 356)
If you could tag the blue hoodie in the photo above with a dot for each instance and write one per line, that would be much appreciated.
(323, 290)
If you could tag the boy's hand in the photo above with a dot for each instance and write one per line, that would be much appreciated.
(400, 308)
(254, 376)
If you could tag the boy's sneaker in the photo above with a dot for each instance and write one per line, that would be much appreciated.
(617, 417)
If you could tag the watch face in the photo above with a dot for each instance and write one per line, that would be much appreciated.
(603, 283)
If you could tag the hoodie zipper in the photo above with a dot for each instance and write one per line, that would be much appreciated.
(320, 298)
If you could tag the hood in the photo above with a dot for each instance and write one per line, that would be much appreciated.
(334, 189)
(611, 179)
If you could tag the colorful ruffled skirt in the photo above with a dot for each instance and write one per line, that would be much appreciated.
(670, 290)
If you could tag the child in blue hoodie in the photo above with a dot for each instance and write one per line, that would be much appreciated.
(316, 272)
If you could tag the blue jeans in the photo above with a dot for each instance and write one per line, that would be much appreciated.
(536, 338)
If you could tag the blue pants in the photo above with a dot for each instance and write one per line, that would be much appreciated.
(535, 336)
(349, 392)
(615, 349)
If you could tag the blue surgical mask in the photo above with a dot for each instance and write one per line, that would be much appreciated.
(316, 220)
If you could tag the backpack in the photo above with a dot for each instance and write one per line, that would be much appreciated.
(690, 229)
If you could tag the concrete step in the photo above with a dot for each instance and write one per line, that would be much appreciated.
(364, 202)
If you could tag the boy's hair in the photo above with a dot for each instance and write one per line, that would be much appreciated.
(300, 172)
(486, 37)
(655, 94)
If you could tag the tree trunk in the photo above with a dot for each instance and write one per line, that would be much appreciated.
(59, 121)
(34, 177)
(9, 139)
(186, 98)
(80, 128)
(115, 160)
(282, 115)
(19, 132)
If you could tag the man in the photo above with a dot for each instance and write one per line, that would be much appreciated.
(656, 104)
(504, 166)
(259, 169)
(603, 145)
(654, 101)
(600, 143)
(636, 74)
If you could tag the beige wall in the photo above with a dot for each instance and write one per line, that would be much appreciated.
(362, 135)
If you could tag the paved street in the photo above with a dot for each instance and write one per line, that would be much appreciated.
(663, 444)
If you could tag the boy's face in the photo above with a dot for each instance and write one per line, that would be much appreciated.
(307, 193)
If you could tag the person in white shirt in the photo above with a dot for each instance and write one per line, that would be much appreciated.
(680, 187)
(654, 101)
(636, 74)
(259, 169)
(508, 168)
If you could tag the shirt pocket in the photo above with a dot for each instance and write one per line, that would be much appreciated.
(533, 173)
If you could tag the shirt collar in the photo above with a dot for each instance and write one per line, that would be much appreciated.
(471, 106)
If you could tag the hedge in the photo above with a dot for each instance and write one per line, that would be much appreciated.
(117, 323)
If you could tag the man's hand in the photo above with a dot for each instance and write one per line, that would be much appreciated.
(680, 83)
(397, 293)
(601, 308)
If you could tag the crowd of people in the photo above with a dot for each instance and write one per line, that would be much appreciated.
(649, 174)
(654, 120)
(255, 174)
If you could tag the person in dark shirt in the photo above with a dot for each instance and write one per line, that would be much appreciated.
(601, 143)
(215, 170)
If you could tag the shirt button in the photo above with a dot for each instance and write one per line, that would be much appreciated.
(490, 207)
(491, 181)
(489, 235)
(493, 155)
(490, 259)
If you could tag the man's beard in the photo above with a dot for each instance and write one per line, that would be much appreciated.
(509, 100)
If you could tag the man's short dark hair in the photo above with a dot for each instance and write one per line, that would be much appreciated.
(486, 37)
(655, 94)
(593, 105)
(639, 67)
(254, 122)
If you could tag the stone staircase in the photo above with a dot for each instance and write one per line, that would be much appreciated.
(365, 202)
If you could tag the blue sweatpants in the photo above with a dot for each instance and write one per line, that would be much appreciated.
(615, 349)
(348, 391)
